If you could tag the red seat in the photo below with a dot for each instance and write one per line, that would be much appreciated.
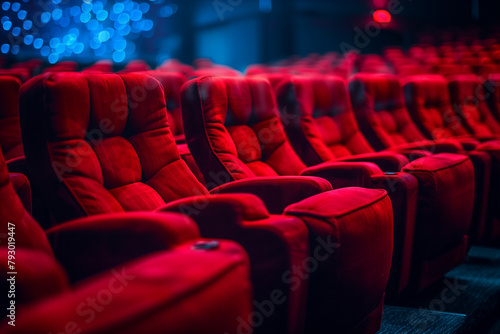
(492, 94)
(234, 133)
(318, 118)
(469, 104)
(114, 152)
(428, 101)
(158, 263)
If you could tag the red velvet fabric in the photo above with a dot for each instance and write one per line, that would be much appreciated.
(379, 108)
(469, 102)
(492, 94)
(185, 290)
(10, 131)
(114, 152)
(429, 105)
(234, 132)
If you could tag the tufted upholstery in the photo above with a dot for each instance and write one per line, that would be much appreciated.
(110, 152)
(172, 83)
(469, 102)
(380, 111)
(428, 103)
(243, 129)
(316, 111)
(10, 132)
(234, 131)
(45, 301)
(113, 151)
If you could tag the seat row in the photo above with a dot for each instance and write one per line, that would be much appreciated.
(269, 150)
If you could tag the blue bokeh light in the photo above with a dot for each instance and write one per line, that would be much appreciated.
(98, 28)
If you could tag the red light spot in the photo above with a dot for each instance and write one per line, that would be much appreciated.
(382, 16)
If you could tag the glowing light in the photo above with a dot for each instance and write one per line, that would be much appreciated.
(144, 7)
(54, 42)
(98, 6)
(22, 14)
(78, 48)
(5, 48)
(45, 17)
(120, 45)
(15, 49)
(53, 58)
(28, 39)
(4, 19)
(5, 6)
(86, 7)
(7, 25)
(16, 6)
(27, 25)
(104, 36)
(85, 17)
(57, 14)
(166, 11)
(45, 51)
(75, 11)
(123, 18)
(16, 31)
(118, 7)
(118, 56)
(382, 16)
(102, 15)
(37, 44)
(135, 15)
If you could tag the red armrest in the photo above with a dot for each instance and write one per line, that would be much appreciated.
(185, 290)
(22, 187)
(434, 146)
(345, 174)
(387, 161)
(90, 245)
(277, 192)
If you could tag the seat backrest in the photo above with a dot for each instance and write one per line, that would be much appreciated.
(318, 119)
(10, 131)
(428, 102)
(101, 143)
(379, 108)
(233, 129)
(469, 103)
(172, 83)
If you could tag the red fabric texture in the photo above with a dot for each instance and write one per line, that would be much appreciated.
(469, 102)
(10, 131)
(234, 132)
(430, 107)
(114, 152)
(379, 108)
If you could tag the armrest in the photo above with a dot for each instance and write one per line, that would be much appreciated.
(467, 143)
(386, 161)
(277, 192)
(175, 289)
(434, 146)
(345, 174)
(90, 245)
(412, 154)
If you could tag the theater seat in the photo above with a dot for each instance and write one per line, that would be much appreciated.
(382, 116)
(161, 262)
(428, 101)
(235, 135)
(492, 94)
(469, 104)
(319, 122)
(114, 152)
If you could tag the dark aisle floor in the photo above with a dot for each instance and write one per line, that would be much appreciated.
(466, 301)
